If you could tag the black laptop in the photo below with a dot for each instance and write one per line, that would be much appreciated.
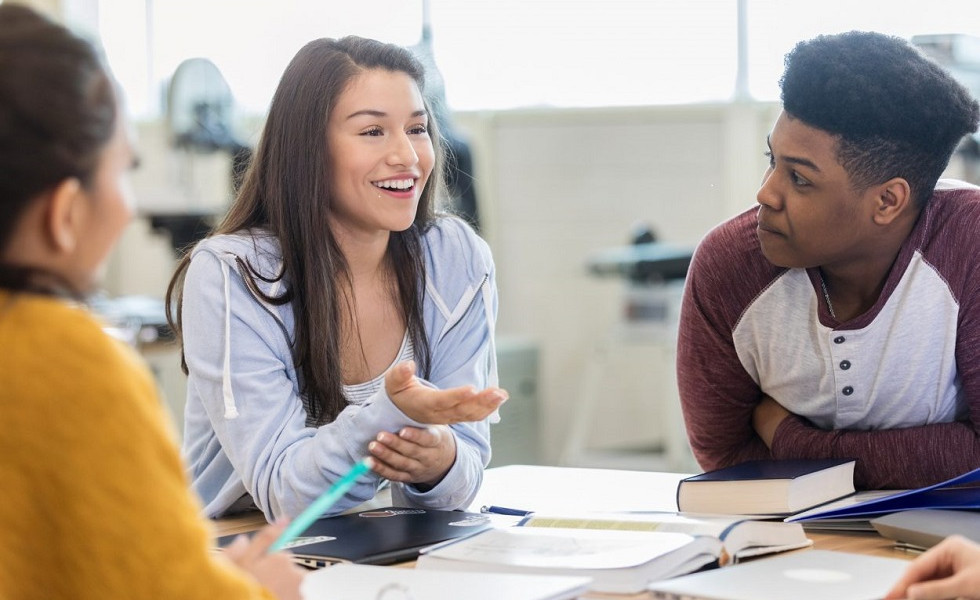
(378, 537)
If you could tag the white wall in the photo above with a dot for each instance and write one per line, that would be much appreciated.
(558, 185)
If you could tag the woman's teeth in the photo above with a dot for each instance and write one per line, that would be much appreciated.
(396, 184)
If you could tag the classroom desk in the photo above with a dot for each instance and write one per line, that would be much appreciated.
(564, 489)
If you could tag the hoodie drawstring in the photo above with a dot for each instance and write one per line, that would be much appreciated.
(488, 310)
(231, 411)
(494, 379)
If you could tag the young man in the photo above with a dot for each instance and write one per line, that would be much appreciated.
(841, 317)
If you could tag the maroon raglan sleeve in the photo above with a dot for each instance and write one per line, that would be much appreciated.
(717, 395)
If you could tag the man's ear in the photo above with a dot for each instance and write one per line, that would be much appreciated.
(61, 222)
(893, 198)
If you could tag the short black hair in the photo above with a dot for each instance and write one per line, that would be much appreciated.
(896, 112)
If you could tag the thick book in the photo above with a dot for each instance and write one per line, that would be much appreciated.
(767, 487)
(381, 536)
(740, 538)
(959, 493)
(619, 562)
(369, 582)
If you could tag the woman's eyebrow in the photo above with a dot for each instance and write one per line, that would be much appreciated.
(370, 112)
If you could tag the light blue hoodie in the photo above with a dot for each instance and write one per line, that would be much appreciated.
(245, 433)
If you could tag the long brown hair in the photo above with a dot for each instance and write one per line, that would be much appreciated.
(57, 113)
(286, 192)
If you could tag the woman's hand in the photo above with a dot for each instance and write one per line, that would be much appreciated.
(418, 456)
(950, 569)
(439, 407)
(275, 571)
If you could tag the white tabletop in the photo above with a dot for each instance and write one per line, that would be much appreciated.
(565, 489)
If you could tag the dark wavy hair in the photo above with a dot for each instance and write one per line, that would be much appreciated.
(286, 192)
(57, 113)
(896, 113)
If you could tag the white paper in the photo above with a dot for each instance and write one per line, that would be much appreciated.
(564, 548)
(566, 489)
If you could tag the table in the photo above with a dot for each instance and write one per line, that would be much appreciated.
(565, 489)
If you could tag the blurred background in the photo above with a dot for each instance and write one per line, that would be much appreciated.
(597, 141)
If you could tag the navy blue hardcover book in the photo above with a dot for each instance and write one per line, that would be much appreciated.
(767, 487)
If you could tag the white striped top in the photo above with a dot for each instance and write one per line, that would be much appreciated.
(359, 392)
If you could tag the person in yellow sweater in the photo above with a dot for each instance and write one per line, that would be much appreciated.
(95, 502)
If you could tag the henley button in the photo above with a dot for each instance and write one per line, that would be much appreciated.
(839, 339)
(848, 390)
(845, 364)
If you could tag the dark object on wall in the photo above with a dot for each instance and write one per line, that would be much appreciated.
(459, 159)
(199, 108)
(184, 229)
(644, 261)
(459, 178)
(199, 121)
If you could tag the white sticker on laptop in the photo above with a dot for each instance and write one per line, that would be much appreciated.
(817, 575)
(471, 521)
(306, 541)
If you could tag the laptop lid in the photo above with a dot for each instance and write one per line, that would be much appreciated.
(801, 575)
(927, 527)
(379, 537)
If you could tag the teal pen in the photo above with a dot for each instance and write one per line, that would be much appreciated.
(321, 504)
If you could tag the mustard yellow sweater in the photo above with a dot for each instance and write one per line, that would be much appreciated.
(94, 500)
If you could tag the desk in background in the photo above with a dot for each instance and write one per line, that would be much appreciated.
(653, 275)
(564, 489)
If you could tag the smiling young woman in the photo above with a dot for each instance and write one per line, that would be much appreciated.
(333, 314)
